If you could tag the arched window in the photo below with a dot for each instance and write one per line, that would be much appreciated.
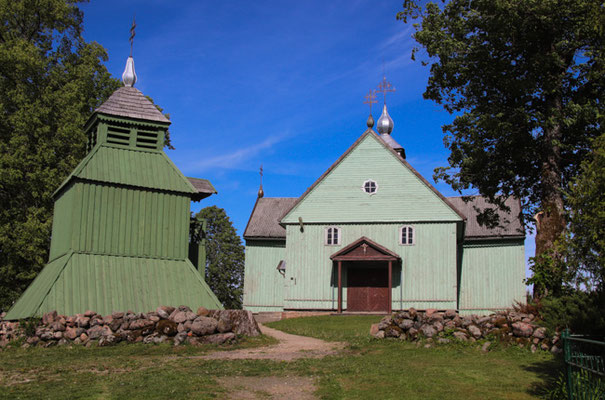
(407, 236)
(332, 237)
(369, 186)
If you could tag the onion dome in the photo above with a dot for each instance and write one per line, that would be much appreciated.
(129, 77)
(385, 123)
(370, 122)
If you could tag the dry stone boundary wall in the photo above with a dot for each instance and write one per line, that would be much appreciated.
(507, 326)
(165, 324)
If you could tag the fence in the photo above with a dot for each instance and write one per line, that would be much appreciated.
(585, 361)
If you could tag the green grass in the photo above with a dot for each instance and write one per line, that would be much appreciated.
(368, 368)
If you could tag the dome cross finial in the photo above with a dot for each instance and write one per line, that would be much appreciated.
(129, 77)
(370, 99)
(261, 192)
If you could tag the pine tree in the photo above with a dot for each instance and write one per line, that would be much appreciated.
(225, 257)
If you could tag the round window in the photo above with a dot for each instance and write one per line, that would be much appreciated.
(370, 187)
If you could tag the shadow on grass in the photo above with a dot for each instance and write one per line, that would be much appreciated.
(547, 371)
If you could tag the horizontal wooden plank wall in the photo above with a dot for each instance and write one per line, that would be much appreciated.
(427, 278)
(401, 195)
(263, 284)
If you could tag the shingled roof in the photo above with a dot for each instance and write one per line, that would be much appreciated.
(203, 186)
(510, 223)
(130, 102)
(264, 221)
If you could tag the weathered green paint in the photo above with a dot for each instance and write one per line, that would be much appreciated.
(401, 195)
(426, 278)
(263, 284)
(121, 230)
(491, 276)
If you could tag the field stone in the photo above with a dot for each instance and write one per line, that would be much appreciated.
(49, 317)
(485, 347)
(224, 325)
(438, 326)
(429, 312)
(203, 312)
(82, 321)
(167, 327)
(243, 322)
(218, 338)
(204, 326)
(179, 338)
(71, 333)
(475, 331)
(162, 312)
(379, 335)
(141, 324)
(392, 331)
(413, 313)
(406, 324)
(89, 313)
(522, 329)
(540, 333)
(450, 314)
(443, 341)
(117, 315)
(428, 331)
(180, 317)
(374, 329)
(95, 332)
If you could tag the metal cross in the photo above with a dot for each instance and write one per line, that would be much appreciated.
(370, 99)
(261, 175)
(132, 33)
(384, 87)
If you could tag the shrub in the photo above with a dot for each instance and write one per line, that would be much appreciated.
(581, 312)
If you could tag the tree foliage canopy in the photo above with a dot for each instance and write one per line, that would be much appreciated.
(525, 80)
(225, 257)
(50, 82)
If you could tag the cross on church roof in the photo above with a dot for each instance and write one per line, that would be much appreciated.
(385, 87)
(370, 99)
(132, 34)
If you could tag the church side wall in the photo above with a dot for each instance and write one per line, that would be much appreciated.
(426, 279)
(491, 276)
(263, 284)
(118, 220)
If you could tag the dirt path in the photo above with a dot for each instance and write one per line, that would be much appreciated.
(290, 347)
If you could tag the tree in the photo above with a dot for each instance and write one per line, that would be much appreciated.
(50, 82)
(584, 243)
(524, 79)
(225, 257)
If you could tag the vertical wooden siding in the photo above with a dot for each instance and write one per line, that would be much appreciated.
(126, 221)
(263, 284)
(401, 195)
(491, 277)
(427, 278)
(63, 215)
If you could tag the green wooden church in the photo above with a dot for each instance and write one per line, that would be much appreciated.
(120, 236)
(372, 235)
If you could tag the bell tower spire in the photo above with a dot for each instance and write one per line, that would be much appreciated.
(129, 77)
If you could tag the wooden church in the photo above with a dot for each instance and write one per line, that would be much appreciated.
(372, 235)
(120, 236)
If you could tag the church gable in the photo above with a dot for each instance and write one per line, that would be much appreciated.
(370, 183)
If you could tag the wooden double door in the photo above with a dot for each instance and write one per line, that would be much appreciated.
(368, 286)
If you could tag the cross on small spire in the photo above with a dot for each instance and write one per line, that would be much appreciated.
(132, 33)
(261, 192)
(385, 87)
(370, 99)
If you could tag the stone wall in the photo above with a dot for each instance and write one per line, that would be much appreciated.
(165, 324)
(442, 327)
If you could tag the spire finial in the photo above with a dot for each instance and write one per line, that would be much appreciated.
(129, 77)
(370, 99)
(261, 193)
(132, 33)
(385, 87)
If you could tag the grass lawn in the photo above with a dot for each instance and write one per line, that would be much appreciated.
(368, 368)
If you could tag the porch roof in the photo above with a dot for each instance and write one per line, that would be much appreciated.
(365, 249)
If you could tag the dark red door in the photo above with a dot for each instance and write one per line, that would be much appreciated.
(368, 288)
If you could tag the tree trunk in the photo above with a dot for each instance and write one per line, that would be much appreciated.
(550, 221)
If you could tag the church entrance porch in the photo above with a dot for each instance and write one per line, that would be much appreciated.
(368, 286)
(369, 276)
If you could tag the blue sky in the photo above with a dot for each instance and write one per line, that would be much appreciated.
(278, 83)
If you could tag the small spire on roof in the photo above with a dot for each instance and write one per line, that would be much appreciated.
(129, 77)
(370, 99)
(261, 193)
(385, 123)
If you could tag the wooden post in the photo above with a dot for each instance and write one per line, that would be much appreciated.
(390, 286)
(339, 286)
